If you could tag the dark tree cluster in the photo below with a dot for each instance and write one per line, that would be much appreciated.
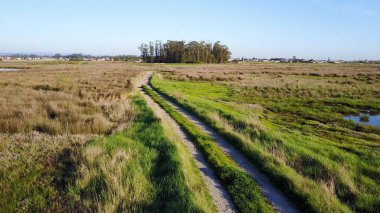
(182, 52)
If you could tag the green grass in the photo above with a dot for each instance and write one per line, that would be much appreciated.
(325, 163)
(136, 170)
(244, 191)
(35, 169)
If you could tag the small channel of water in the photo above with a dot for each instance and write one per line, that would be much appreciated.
(373, 120)
(7, 69)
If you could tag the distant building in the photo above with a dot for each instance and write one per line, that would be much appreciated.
(279, 60)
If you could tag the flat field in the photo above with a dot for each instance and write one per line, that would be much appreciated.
(77, 136)
(289, 120)
(76, 98)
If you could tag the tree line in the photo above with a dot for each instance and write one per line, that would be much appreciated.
(182, 52)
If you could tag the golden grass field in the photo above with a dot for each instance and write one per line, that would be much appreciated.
(69, 131)
(48, 111)
(78, 137)
(70, 98)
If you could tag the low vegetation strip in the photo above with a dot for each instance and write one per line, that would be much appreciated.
(244, 191)
(136, 170)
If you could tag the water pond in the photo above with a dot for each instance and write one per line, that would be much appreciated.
(7, 69)
(364, 118)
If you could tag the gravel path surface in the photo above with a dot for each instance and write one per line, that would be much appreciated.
(219, 195)
(277, 199)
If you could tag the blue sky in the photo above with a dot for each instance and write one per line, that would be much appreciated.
(339, 29)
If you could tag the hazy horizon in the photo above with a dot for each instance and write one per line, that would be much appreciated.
(50, 54)
(318, 29)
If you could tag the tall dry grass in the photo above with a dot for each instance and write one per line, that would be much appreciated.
(66, 98)
(48, 111)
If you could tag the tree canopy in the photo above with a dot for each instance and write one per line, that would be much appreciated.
(182, 52)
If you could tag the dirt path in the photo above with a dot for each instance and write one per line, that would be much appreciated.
(219, 195)
(278, 200)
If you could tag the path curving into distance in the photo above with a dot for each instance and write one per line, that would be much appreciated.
(277, 199)
(220, 196)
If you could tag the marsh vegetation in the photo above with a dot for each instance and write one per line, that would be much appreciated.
(289, 120)
(76, 136)
(48, 111)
